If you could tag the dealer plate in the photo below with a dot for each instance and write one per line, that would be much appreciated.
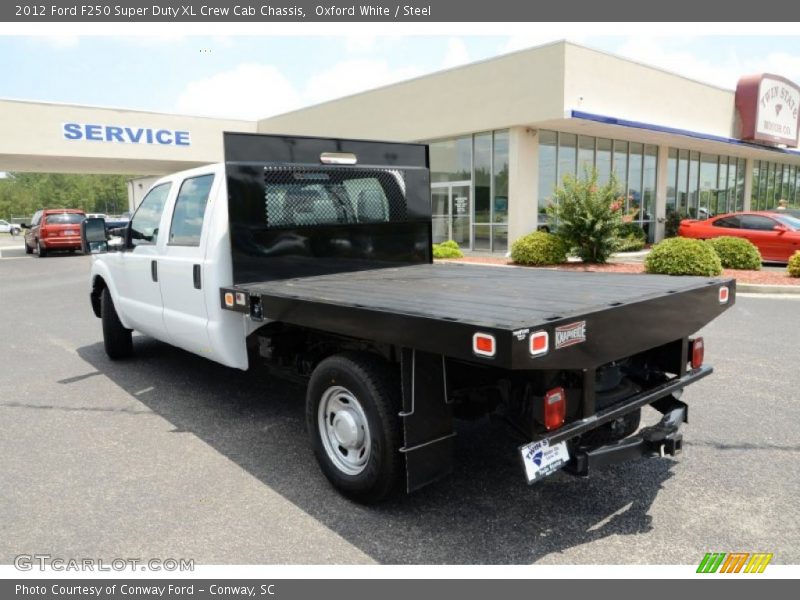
(542, 459)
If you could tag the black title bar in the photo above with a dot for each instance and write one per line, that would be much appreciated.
(142, 11)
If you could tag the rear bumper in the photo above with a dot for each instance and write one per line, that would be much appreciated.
(60, 243)
(662, 439)
(650, 396)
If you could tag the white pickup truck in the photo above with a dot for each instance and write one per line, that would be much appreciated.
(312, 257)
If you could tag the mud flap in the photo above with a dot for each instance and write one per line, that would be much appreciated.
(427, 419)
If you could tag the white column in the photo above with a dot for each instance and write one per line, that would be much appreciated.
(661, 191)
(748, 182)
(523, 182)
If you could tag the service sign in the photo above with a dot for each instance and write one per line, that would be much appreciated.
(769, 109)
(89, 132)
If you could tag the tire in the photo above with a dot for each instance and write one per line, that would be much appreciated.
(614, 431)
(28, 249)
(352, 407)
(41, 249)
(116, 339)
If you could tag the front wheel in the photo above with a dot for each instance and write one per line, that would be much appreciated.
(352, 407)
(117, 340)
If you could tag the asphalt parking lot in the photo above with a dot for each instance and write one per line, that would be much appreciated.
(170, 455)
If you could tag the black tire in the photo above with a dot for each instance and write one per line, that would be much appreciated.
(28, 249)
(613, 431)
(117, 340)
(376, 387)
(40, 249)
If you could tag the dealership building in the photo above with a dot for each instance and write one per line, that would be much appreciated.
(502, 132)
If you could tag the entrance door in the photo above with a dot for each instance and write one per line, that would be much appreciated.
(460, 214)
(451, 212)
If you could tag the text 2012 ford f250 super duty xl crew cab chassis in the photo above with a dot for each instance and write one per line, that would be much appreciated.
(312, 257)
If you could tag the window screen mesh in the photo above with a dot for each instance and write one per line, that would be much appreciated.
(305, 197)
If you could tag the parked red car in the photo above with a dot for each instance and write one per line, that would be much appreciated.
(54, 229)
(777, 236)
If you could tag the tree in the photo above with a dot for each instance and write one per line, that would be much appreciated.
(588, 216)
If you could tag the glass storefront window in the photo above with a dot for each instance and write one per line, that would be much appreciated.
(547, 168)
(739, 173)
(566, 155)
(649, 189)
(620, 166)
(721, 204)
(773, 182)
(683, 182)
(707, 191)
(451, 160)
(585, 155)
(603, 160)
(482, 169)
(672, 176)
(500, 174)
(635, 166)
(694, 184)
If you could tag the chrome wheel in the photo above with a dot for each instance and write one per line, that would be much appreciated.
(344, 430)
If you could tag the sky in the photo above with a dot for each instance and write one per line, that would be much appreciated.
(251, 77)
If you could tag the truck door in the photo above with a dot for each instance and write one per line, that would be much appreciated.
(139, 293)
(181, 267)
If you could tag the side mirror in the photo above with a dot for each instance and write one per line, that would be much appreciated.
(781, 228)
(93, 236)
(24, 225)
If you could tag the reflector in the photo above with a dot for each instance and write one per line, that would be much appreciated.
(698, 352)
(555, 408)
(483, 344)
(539, 343)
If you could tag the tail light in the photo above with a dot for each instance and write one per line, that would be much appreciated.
(698, 352)
(555, 408)
(484, 344)
(724, 294)
(539, 343)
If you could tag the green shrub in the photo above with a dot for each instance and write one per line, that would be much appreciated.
(683, 256)
(448, 249)
(736, 253)
(794, 265)
(672, 223)
(539, 248)
(588, 216)
(630, 237)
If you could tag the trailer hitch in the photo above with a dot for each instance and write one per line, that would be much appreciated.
(662, 439)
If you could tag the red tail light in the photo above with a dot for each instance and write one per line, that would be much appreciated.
(555, 408)
(483, 344)
(698, 352)
(724, 294)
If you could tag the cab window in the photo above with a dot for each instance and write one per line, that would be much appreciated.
(757, 222)
(729, 222)
(145, 223)
(190, 209)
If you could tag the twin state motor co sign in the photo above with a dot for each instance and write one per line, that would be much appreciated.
(769, 109)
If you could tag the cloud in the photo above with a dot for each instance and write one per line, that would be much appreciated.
(250, 91)
(456, 54)
(59, 42)
(255, 91)
(724, 73)
(359, 44)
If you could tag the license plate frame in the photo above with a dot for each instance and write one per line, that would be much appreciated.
(541, 459)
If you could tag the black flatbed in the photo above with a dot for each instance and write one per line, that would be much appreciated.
(439, 307)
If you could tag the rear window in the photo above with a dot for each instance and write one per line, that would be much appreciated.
(64, 219)
(305, 197)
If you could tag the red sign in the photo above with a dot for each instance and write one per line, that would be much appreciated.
(769, 109)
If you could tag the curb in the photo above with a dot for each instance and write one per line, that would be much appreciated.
(762, 288)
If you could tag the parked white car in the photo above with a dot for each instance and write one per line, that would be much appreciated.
(12, 228)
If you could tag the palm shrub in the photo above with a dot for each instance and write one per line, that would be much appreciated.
(588, 216)
(683, 256)
(736, 253)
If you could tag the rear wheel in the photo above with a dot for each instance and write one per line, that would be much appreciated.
(117, 340)
(352, 407)
(28, 249)
(41, 249)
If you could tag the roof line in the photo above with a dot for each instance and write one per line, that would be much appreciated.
(577, 114)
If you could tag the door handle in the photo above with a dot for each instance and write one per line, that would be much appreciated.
(196, 276)
(154, 270)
